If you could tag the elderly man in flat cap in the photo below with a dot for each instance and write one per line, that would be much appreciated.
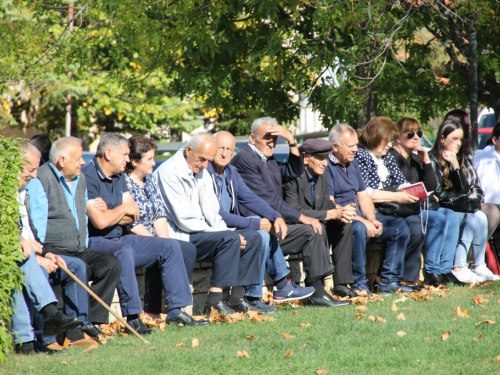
(309, 195)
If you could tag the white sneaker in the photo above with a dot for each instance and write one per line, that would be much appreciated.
(465, 275)
(485, 272)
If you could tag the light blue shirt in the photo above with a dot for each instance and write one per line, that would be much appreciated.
(39, 204)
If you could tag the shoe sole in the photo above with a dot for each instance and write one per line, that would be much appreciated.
(63, 328)
(286, 299)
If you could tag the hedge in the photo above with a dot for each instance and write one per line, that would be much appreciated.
(10, 275)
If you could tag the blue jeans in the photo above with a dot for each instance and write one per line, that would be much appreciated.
(451, 239)
(36, 294)
(76, 301)
(474, 235)
(396, 234)
(437, 228)
(145, 252)
(273, 258)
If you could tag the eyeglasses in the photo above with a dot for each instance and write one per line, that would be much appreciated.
(228, 150)
(411, 134)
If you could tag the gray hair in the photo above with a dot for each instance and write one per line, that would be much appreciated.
(27, 147)
(260, 122)
(337, 131)
(222, 132)
(110, 140)
(198, 139)
(59, 147)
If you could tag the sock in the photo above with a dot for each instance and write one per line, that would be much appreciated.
(174, 313)
(280, 284)
(213, 298)
(319, 289)
(75, 334)
(237, 293)
(49, 310)
(132, 317)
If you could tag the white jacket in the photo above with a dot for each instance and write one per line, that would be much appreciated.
(190, 201)
(487, 164)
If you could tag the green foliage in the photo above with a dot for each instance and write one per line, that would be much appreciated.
(10, 276)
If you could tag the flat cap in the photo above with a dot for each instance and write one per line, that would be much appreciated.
(316, 147)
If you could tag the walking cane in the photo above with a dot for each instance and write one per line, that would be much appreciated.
(89, 291)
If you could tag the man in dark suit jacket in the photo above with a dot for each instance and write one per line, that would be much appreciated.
(309, 194)
(265, 177)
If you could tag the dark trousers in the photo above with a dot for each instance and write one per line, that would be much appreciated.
(145, 252)
(103, 270)
(340, 239)
(230, 265)
(153, 284)
(413, 260)
(314, 248)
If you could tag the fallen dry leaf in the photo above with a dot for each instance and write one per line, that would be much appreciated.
(487, 321)
(419, 297)
(442, 295)
(260, 318)
(179, 344)
(360, 300)
(361, 308)
(401, 316)
(460, 313)
(242, 354)
(401, 333)
(303, 346)
(479, 300)
(394, 307)
(360, 315)
(288, 353)
(250, 338)
(321, 371)
(401, 299)
(64, 363)
(376, 319)
(195, 342)
(163, 326)
(287, 336)
(477, 338)
(445, 336)
(305, 325)
(296, 312)
(497, 357)
(92, 347)
(427, 339)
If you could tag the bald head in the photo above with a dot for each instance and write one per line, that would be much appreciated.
(225, 150)
(200, 151)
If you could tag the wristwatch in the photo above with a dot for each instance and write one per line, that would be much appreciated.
(294, 144)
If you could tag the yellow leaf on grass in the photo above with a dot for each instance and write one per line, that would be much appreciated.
(64, 363)
(321, 371)
(479, 300)
(445, 336)
(460, 313)
(401, 299)
(361, 308)
(394, 307)
(477, 338)
(376, 319)
(251, 338)
(287, 336)
(305, 325)
(401, 316)
(163, 326)
(195, 342)
(360, 316)
(487, 321)
(242, 354)
(401, 333)
(288, 353)
(179, 344)
(497, 357)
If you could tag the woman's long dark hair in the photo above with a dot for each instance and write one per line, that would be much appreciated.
(447, 127)
(462, 117)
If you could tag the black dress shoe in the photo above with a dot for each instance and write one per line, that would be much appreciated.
(184, 319)
(33, 347)
(58, 323)
(221, 306)
(343, 291)
(326, 300)
(140, 327)
(452, 279)
(241, 306)
(94, 333)
(434, 280)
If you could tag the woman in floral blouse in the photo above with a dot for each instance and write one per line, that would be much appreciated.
(152, 221)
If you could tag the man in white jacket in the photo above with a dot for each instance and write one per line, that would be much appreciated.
(193, 215)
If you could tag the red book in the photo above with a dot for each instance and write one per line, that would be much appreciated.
(418, 190)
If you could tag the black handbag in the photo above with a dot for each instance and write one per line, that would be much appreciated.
(395, 208)
(462, 203)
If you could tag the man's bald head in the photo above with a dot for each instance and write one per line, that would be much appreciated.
(225, 150)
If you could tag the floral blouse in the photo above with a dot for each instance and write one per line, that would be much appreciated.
(148, 200)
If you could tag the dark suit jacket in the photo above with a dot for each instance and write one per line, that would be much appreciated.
(266, 178)
(298, 195)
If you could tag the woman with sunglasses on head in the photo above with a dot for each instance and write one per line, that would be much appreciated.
(491, 211)
(153, 222)
(443, 224)
(383, 177)
(454, 191)
(487, 164)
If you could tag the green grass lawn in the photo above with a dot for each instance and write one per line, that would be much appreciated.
(336, 340)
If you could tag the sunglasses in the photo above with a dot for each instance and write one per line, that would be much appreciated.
(410, 135)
